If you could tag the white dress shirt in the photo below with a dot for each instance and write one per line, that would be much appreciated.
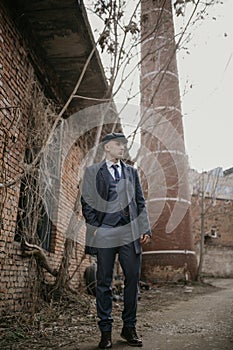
(111, 170)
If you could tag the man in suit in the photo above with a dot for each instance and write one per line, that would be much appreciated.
(114, 208)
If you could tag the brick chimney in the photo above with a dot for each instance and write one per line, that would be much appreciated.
(163, 160)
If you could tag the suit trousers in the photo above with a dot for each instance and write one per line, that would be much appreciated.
(130, 263)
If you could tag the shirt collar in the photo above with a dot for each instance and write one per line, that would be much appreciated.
(110, 163)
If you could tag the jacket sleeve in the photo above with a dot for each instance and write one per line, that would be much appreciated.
(89, 212)
(87, 199)
(143, 219)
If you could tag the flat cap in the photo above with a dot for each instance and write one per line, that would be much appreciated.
(114, 136)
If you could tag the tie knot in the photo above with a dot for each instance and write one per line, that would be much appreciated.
(115, 166)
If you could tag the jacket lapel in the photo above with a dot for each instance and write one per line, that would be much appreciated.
(102, 180)
(126, 171)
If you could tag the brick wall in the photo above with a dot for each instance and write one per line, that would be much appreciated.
(218, 217)
(17, 74)
(218, 257)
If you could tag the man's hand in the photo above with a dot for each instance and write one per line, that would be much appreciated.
(145, 238)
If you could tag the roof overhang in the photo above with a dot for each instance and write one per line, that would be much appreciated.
(60, 40)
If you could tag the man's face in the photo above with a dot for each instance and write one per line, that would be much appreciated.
(115, 149)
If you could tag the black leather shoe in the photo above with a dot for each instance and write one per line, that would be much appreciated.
(106, 340)
(130, 335)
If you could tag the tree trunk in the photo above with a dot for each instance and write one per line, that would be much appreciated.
(200, 265)
(63, 275)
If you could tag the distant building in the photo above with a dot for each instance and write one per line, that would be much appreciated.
(217, 186)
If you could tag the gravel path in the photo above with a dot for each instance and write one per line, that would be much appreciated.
(204, 322)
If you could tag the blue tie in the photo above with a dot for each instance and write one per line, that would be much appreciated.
(116, 172)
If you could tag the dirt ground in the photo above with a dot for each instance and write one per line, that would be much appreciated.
(170, 317)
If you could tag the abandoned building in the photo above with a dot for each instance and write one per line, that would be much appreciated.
(212, 198)
(47, 48)
(44, 46)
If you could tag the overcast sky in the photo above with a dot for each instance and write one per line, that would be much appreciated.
(207, 105)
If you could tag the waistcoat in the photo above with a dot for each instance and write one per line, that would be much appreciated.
(116, 213)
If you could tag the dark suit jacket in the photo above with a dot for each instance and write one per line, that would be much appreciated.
(94, 196)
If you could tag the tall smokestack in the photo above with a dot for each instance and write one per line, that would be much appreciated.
(165, 165)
